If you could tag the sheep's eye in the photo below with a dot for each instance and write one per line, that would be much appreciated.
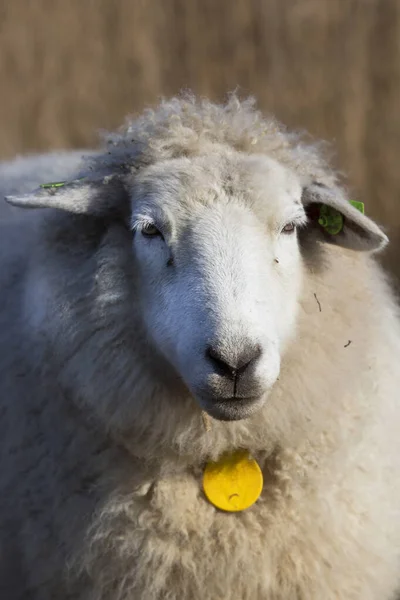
(289, 228)
(150, 230)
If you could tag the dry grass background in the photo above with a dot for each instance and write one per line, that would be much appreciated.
(70, 67)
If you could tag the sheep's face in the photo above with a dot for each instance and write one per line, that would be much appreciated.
(216, 253)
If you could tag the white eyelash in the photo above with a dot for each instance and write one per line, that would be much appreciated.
(139, 223)
(301, 221)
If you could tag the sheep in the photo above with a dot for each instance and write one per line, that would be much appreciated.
(177, 299)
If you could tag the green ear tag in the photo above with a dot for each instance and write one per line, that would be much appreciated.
(53, 184)
(330, 219)
(358, 205)
(58, 184)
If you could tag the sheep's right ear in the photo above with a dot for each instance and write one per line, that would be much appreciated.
(99, 197)
(340, 221)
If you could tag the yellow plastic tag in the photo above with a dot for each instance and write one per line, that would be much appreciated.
(233, 483)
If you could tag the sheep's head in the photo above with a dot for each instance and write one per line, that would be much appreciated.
(216, 262)
(219, 270)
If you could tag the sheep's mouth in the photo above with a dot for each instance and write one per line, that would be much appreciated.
(232, 409)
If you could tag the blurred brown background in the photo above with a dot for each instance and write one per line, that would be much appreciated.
(68, 68)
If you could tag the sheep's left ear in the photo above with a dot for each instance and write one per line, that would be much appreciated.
(98, 197)
(340, 221)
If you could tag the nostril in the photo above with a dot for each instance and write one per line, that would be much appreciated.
(234, 365)
(220, 361)
(248, 356)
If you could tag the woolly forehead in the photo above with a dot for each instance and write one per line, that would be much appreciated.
(176, 190)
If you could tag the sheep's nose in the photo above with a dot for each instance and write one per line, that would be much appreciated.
(233, 366)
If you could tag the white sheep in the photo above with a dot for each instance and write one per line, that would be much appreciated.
(179, 299)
